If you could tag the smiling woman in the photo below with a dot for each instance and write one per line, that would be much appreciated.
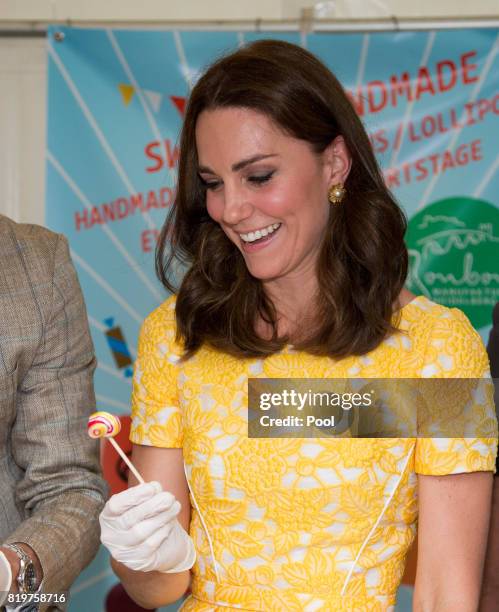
(268, 132)
(289, 235)
(259, 201)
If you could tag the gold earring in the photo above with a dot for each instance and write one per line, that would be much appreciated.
(336, 193)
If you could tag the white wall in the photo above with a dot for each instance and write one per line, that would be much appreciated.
(131, 10)
(227, 9)
(22, 128)
(23, 64)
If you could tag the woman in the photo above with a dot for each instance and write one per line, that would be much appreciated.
(296, 265)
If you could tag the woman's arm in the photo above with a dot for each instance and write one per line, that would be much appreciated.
(165, 465)
(454, 515)
(490, 587)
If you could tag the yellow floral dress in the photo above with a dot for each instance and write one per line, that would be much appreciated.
(299, 524)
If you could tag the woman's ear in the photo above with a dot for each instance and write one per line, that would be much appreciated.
(338, 161)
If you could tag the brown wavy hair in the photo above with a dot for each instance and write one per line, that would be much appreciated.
(362, 263)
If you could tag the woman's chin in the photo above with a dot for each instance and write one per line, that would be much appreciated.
(264, 273)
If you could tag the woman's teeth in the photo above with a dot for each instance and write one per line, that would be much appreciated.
(261, 233)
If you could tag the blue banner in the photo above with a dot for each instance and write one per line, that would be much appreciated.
(116, 100)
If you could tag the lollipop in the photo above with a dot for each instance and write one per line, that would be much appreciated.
(106, 425)
(103, 425)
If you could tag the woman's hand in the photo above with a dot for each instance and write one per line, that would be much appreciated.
(140, 529)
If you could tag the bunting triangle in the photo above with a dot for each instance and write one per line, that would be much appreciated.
(127, 92)
(179, 104)
(154, 99)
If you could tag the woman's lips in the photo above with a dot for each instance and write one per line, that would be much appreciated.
(261, 243)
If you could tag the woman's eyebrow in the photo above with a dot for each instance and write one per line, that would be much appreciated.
(240, 164)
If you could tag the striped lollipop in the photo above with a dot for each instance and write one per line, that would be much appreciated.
(103, 424)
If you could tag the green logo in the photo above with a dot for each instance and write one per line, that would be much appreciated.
(454, 256)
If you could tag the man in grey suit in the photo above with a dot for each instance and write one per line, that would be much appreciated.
(51, 491)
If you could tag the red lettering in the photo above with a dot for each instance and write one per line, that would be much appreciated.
(421, 169)
(148, 239)
(136, 201)
(428, 126)
(468, 107)
(452, 72)
(152, 202)
(376, 105)
(171, 156)
(484, 107)
(109, 213)
(441, 127)
(398, 136)
(95, 216)
(149, 151)
(402, 87)
(145, 241)
(406, 167)
(81, 218)
(453, 118)
(476, 151)
(448, 162)
(438, 77)
(357, 101)
(412, 133)
(392, 178)
(165, 197)
(467, 68)
(424, 83)
(462, 156)
(434, 162)
(121, 205)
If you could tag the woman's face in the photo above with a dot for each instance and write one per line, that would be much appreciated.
(267, 190)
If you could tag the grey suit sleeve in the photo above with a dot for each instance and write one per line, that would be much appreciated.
(62, 491)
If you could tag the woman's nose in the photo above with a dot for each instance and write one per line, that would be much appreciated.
(237, 207)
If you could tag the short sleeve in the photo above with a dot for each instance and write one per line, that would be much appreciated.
(156, 414)
(455, 350)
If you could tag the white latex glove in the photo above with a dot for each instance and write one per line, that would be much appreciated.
(5, 578)
(140, 529)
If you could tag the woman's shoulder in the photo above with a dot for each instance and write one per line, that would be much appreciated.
(164, 313)
(160, 324)
(422, 312)
(450, 342)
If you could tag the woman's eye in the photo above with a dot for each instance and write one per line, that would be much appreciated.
(259, 179)
(211, 185)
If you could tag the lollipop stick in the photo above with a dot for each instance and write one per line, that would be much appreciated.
(126, 460)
